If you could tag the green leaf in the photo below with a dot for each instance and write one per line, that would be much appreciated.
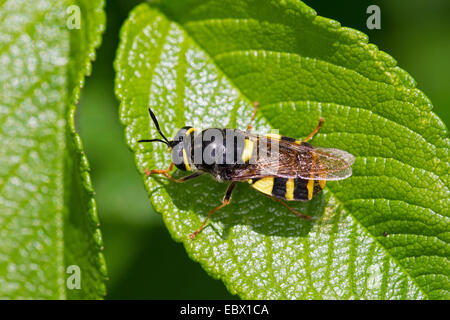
(381, 234)
(48, 218)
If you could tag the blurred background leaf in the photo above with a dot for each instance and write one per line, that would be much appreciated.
(143, 261)
(48, 218)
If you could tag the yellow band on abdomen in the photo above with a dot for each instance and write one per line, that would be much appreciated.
(310, 185)
(290, 189)
(264, 185)
(248, 150)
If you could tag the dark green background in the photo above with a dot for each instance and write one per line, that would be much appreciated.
(143, 261)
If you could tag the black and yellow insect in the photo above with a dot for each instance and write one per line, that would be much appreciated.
(281, 167)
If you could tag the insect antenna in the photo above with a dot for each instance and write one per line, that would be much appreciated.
(153, 140)
(165, 141)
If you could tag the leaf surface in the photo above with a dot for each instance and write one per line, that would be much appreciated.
(381, 234)
(48, 218)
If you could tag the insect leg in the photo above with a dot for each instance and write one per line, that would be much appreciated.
(255, 107)
(167, 174)
(308, 218)
(309, 137)
(159, 171)
(189, 177)
(226, 201)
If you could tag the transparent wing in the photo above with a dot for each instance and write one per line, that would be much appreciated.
(281, 158)
(332, 164)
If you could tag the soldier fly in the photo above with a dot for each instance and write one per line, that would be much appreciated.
(281, 167)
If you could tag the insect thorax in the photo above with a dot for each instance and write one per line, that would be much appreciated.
(216, 151)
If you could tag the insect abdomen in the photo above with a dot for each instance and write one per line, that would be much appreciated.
(296, 189)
